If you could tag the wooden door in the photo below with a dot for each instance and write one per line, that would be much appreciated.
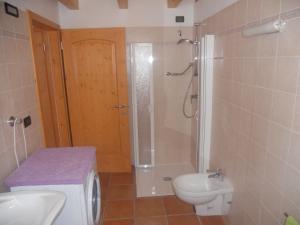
(43, 86)
(95, 67)
(45, 39)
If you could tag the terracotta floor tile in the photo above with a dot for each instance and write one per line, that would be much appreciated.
(118, 222)
(145, 207)
(118, 210)
(183, 220)
(151, 221)
(104, 179)
(122, 192)
(122, 179)
(175, 206)
(212, 220)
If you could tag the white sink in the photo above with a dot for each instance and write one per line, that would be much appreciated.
(30, 207)
(199, 189)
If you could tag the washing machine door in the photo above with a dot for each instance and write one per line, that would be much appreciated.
(93, 199)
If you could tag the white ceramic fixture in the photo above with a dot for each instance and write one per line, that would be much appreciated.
(210, 196)
(30, 207)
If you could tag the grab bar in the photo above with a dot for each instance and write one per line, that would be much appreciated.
(182, 73)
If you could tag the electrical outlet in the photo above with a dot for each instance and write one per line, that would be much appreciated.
(27, 121)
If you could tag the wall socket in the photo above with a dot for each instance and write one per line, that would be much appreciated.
(27, 121)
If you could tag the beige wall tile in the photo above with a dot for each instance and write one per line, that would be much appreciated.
(264, 100)
(275, 172)
(282, 108)
(290, 4)
(268, 45)
(253, 10)
(278, 141)
(287, 74)
(270, 8)
(17, 93)
(289, 38)
(265, 77)
(272, 199)
(294, 152)
(293, 186)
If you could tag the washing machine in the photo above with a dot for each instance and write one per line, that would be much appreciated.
(69, 170)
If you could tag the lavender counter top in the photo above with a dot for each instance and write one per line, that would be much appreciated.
(54, 166)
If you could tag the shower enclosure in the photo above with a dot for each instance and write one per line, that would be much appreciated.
(165, 112)
(142, 98)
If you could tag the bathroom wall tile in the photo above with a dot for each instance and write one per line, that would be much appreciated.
(4, 78)
(253, 182)
(296, 122)
(289, 207)
(278, 141)
(270, 8)
(292, 187)
(294, 152)
(253, 10)
(265, 76)
(250, 46)
(237, 69)
(287, 74)
(17, 91)
(288, 5)
(256, 158)
(10, 50)
(272, 199)
(251, 209)
(245, 122)
(263, 102)
(250, 71)
(240, 13)
(288, 38)
(259, 130)
(267, 218)
(247, 97)
(275, 172)
(282, 108)
(268, 45)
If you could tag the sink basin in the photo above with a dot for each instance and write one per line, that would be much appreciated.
(199, 189)
(30, 207)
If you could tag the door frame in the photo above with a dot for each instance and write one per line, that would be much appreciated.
(35, 19)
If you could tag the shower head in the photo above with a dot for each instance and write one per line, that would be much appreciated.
(187, 41)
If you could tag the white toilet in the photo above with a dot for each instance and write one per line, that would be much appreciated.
(210, 196)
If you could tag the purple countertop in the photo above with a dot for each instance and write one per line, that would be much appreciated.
(54, 166)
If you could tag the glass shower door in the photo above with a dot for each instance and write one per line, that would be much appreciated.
(142, 98)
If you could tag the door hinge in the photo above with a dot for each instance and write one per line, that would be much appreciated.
(61, 46)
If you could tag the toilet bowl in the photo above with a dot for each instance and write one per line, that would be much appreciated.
(210, 196)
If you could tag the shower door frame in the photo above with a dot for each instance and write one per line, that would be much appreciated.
(205, 102)
(135, 114)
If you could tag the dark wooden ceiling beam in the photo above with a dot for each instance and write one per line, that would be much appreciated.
(123, 4)
(173, 3)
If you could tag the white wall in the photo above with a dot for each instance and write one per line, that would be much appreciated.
(45, 8)
(206, 8)
(143, 13)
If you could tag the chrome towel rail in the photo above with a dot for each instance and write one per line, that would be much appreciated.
(182, 73)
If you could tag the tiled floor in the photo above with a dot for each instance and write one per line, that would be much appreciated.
(121, 207)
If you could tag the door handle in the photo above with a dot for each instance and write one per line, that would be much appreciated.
(122, 106)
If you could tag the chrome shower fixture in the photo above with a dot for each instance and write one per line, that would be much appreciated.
(188, 41)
